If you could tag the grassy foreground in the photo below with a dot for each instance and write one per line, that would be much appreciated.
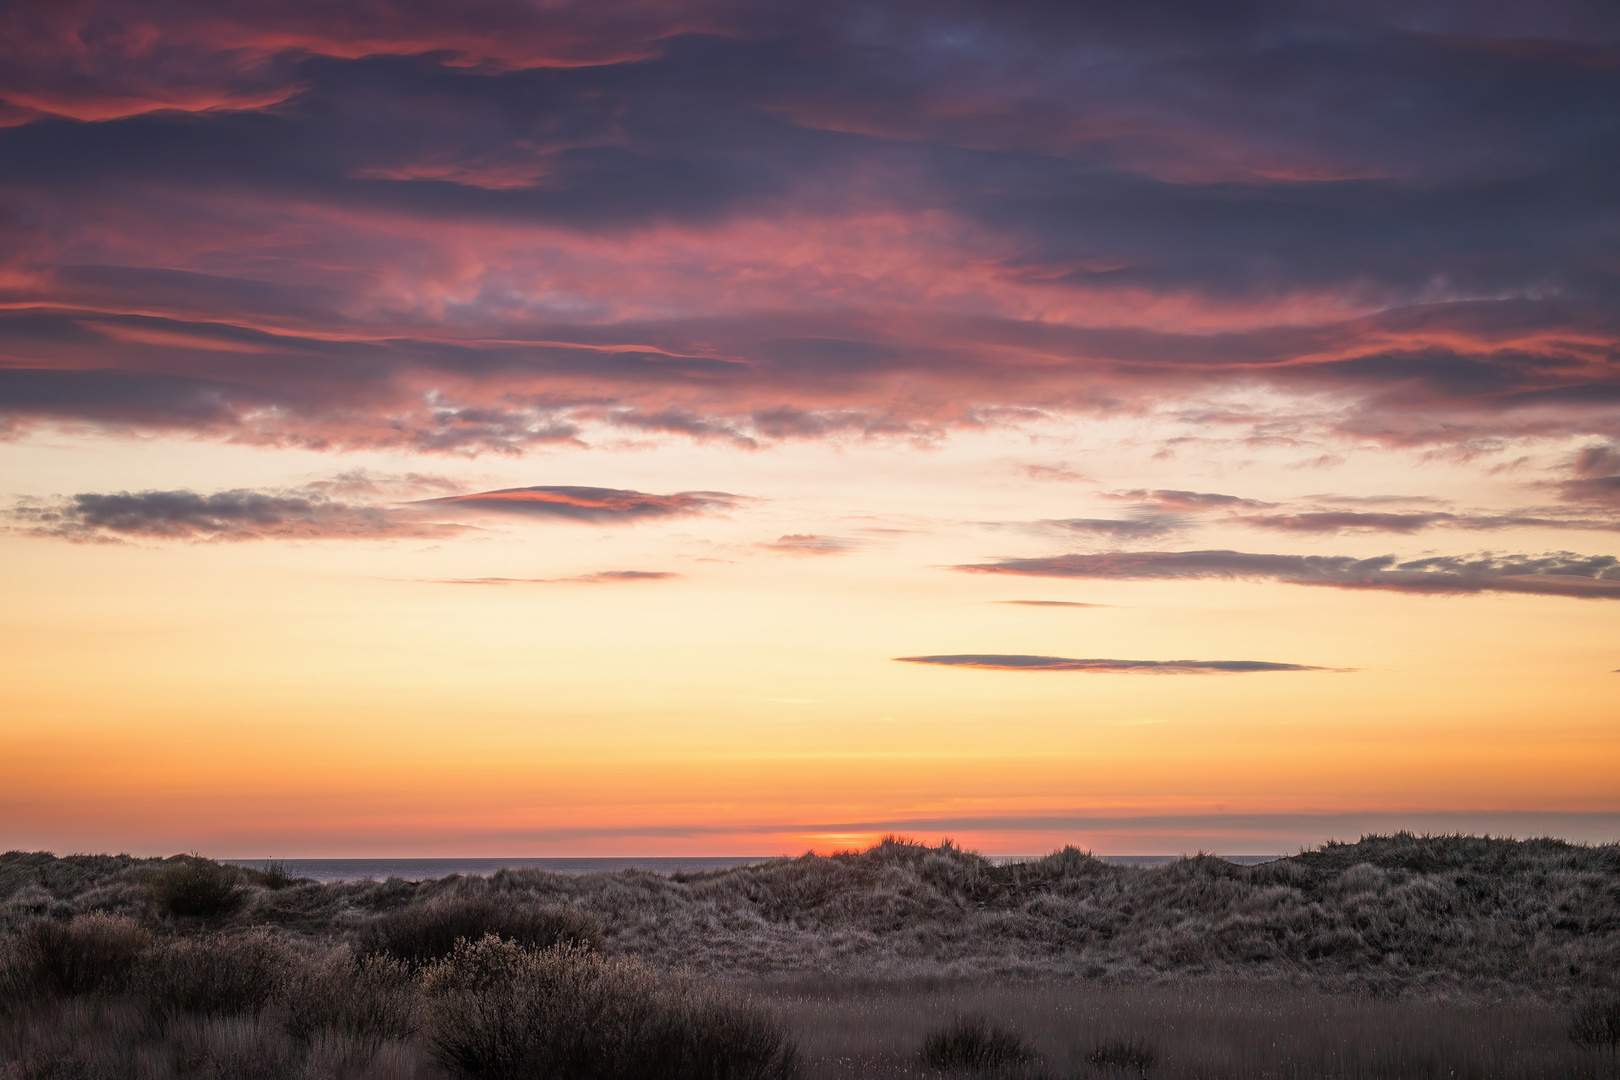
(1396, 956)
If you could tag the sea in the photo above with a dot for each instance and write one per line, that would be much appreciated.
(325, 870)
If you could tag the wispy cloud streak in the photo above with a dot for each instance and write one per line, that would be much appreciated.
(1013, 662)
(339, 508)
(588, 504)
(600, 577)
(241, 514)
(810, 544)
(1050, 603)
(1559, 574)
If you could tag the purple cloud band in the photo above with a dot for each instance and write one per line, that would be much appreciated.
(502, 225)
(226, 515)
(590, 504)
(314, 513)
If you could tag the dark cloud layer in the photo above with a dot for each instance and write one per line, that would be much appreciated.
(592, 504)
(241, 514)
(499, 225)
(1559, 574)
(1131, 528)
(1329, 521)
(1336, 521)
(1001, 662)
(350, 506)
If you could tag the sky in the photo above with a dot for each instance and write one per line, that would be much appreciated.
(525, 428)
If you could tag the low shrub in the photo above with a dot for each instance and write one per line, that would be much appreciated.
(367, 999)
(1596, 1022)
(427, 932)
(974, 1043)
(1124, 1054)
(274, 875)
(195, 887)
(213, 974)
(96, 952)
(495, 1010)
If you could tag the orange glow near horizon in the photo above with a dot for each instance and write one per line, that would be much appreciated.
(722, 428)
(334, 697)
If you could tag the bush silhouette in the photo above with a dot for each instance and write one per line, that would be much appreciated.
(421, 934)
(974, 1043)
(92, 953)
(195, 887)
(495, 1010)
(1596, 1022)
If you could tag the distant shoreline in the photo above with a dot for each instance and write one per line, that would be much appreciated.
(333, 870)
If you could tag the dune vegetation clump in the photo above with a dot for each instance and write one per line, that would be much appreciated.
(60, 957)
(496, 1010)
(1385, 915)
(422, 933)
(370, 999)
(214, 974)
(1490, 957)
(193, 887)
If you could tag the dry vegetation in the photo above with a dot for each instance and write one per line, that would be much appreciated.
(1395, 956)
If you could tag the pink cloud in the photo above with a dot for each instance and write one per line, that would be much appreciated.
(393, 226)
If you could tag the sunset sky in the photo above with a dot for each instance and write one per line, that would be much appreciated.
(535, 428)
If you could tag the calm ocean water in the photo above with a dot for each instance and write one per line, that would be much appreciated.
(422, 869)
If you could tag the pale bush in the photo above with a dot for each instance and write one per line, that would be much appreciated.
(213, 973)
(427, 932)
(368, 999)
(495, 1010)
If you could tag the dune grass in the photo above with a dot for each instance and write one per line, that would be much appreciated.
(1397, 956)
(1387, 914)
(1210, 1031)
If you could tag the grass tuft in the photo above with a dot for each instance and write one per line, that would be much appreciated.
(1124, 1054)
(975, 1043)
(274, 875)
